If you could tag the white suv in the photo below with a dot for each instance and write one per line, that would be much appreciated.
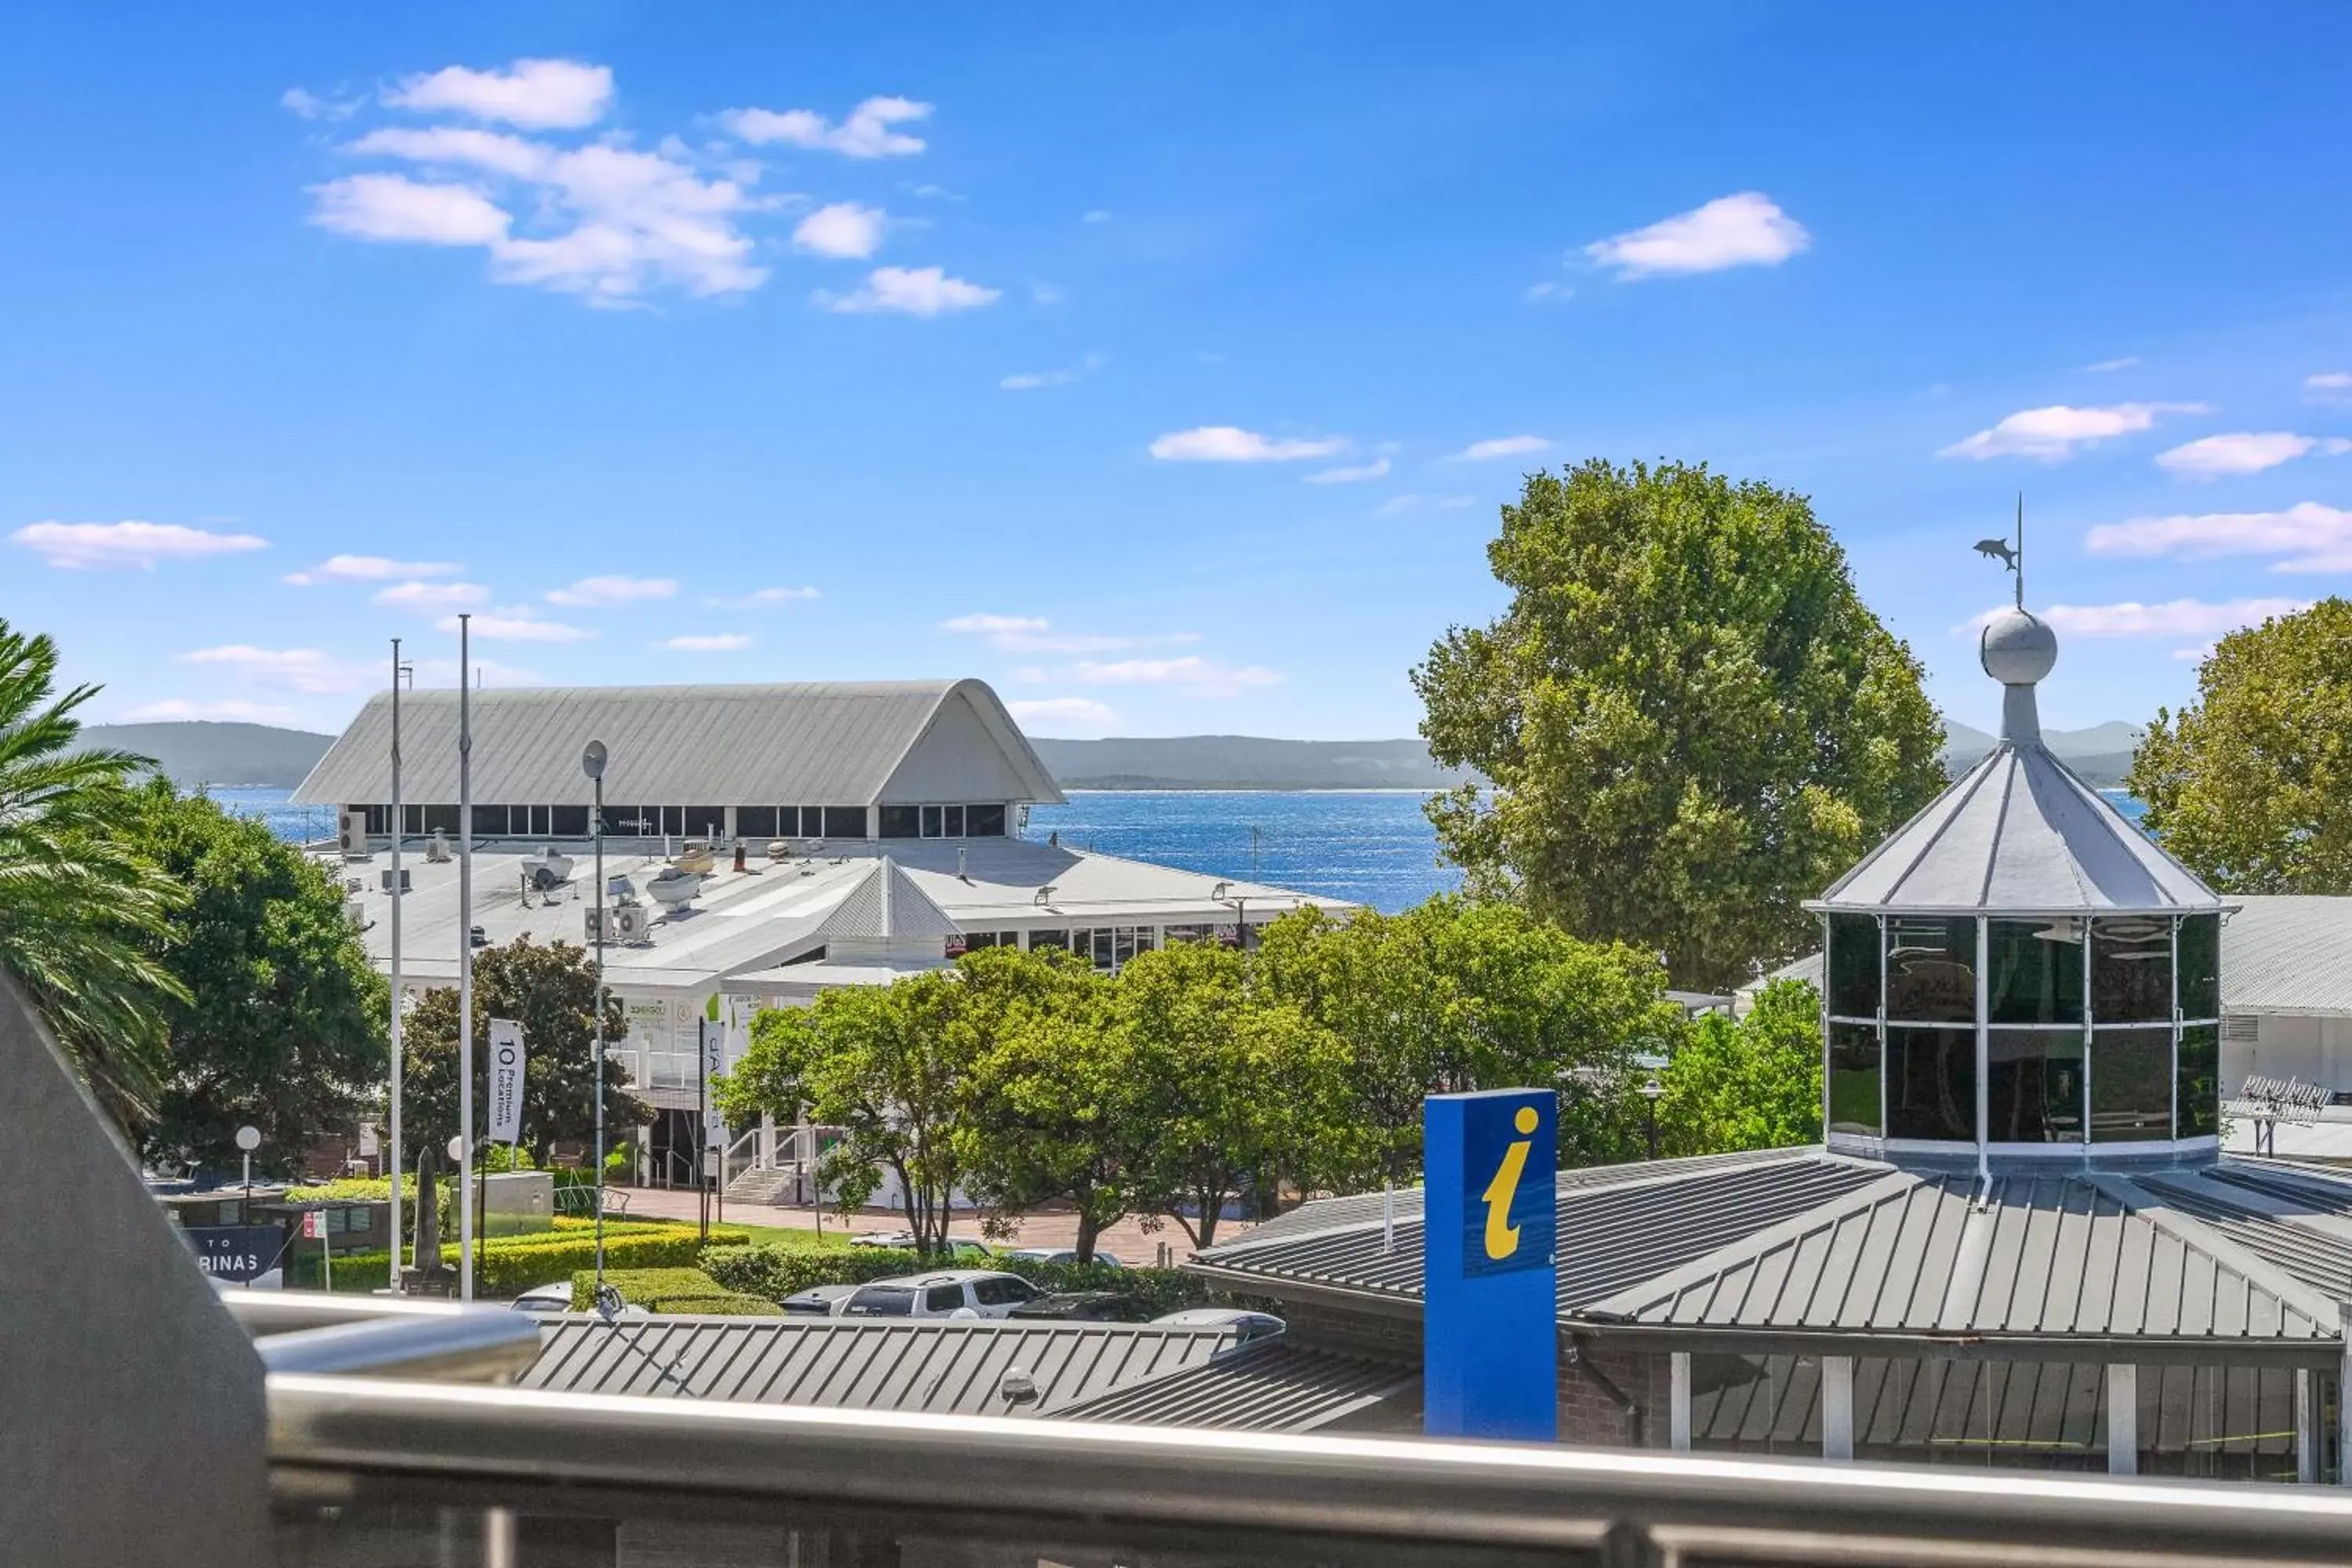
(951, 1293)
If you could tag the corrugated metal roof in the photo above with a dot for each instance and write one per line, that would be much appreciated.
(1610, 1234)
(2019, 832)
(805, 744)
(887, 906)
(951, 1367)
(2045, 1255)
(1270, 1385)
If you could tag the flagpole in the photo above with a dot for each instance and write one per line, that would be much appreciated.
(394, 1163)
(465, 958)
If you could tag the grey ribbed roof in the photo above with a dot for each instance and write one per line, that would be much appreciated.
(807, 744)
(1270, 1385)
(2288, 954)
(2020, 832)
(887, 906)
(941, 1368)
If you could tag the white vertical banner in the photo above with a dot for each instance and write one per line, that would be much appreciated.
(714, 1062)
(505, 1081)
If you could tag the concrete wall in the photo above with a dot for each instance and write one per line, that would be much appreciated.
(2314, 1049)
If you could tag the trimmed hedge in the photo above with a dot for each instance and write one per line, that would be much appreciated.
(773, 1273)
(509, 1265)
(672, 1291)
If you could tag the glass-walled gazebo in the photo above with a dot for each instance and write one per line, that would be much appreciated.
(2020, 972)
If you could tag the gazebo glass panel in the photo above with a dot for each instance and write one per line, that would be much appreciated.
(2200, 967)
(1931, 969)
(2131, 1085)
(1854, 1079)
(1854, 966)
(2200, 1082)
(2035, 1094)
(2037, 972)
(2131, 970)
(1931, 1084)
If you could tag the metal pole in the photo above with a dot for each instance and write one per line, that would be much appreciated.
(702, 1126)
(596, 830)
(245, 1215)
(396, 1281)
(465, 956)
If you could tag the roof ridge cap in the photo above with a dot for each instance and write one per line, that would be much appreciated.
(2325, 1312)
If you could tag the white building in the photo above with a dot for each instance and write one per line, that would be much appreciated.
(898, 809)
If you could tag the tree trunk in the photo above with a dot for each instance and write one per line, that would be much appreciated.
(1211, 1205)
(1089, 1232)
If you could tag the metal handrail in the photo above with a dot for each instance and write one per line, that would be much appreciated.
(311, 1332)
(348, 1441)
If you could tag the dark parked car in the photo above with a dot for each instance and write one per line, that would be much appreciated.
(818, 1300)
(1082, 1307)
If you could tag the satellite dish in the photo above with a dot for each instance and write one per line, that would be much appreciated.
(592, 760)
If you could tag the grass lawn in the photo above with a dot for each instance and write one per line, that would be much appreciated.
(793, 1238)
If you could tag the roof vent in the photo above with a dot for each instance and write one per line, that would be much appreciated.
(1017, 1388)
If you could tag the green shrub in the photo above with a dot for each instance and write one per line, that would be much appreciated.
(509, 1265)
(672, 1291)
(720, 1307)
(775, 1273)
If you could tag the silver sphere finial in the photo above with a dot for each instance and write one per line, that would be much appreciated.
(2018, 648)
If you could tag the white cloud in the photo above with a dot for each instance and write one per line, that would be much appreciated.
(1097, 215)
(762, 598)
(2328, 386)
(2105, 366)
(1032, 633)
(78, 545)
(518, 623)
(1378, 468)
(428, 597)
(1744, 231)
(1501, 447)
(707, 642)
(604, 591)
(487, 672)
(370, 569)
(302, 669)
(1029, 380)
(1082, 712)
(1398, 505)
(866, 133)
(841, 229)
(991, 625)
(231, 710)
(913, 292)
(396, 209)
(1227, 444)
(1197, 676)
(1045, 294)
(309, 105)
(2246, 452)
(2051, 433)
(2176, 618)
(2309, 536)
(1549, 290)
(541, 95)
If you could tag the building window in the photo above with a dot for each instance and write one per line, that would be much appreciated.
(438, 819)
(899, 821)
(540, 817)
(842, 821)
(1852, 967)
(1040, 938)
(490, 821)
(2131, 1085)
(2037, 971)
(632, 821)
(1931, 969)
(984, 821)
(673, 820)
(568, 821)
(1854, 1076)
(756, 821)
(931, 819)
(978, 939)
(2035, 1094)
(2200, 1082)
(1172, 936)
(2131, 970)
(1931, 1084)
(705, 821)
(2200, 967)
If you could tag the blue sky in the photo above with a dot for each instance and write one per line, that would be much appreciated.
(1165, 369)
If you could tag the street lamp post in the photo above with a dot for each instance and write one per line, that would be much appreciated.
(393, 1165)
(465, 949)
(1650, 1094)
(592, 763)
(248, 1139)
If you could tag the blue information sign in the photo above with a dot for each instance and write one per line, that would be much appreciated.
(1489, 1328)
(239, 1253)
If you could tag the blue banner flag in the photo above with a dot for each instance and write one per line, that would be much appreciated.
(1489, 1329)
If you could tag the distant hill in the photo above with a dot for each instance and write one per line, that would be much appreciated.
(1242, 761)
(233, 756)
(2101, 754)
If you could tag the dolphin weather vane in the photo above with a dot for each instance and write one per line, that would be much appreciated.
(2011, 555)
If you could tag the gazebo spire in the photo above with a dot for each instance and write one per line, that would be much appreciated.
(2016, 647)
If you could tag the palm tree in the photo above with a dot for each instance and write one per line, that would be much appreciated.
(82, 912)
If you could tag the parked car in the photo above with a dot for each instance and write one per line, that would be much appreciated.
(818, 1300)
(1251, 1325)
(1081, 1307)
(1064, 1255)
(959, 1246)
(951, 1292)
(544, 1299)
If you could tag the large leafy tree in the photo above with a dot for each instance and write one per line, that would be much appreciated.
(2251, 785)
(1690, 720)
(1456, 994)
(283, 1019)
(1753, 1084)
(82, 912)
(551, 991)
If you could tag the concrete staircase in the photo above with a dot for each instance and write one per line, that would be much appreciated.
(775, 1186)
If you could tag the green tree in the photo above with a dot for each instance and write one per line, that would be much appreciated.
(1239, 1085)
(551, 991)
(1459, 994)
(1690, 720)
(283, 1019)
(2251, 786)
(1753, 1084)
(82, 912)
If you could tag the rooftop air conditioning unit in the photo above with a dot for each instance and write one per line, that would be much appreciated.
(352, 834)
(620, 923)
(383, 879)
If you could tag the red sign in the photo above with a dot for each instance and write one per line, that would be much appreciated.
(314, 1224)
